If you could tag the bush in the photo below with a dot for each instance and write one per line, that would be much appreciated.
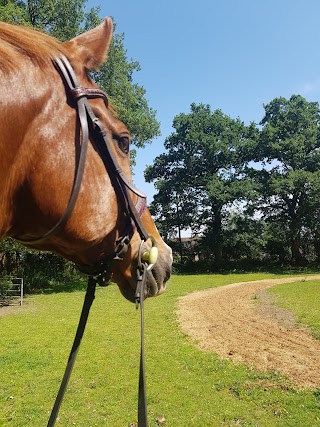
(40, 270)
(5, 284)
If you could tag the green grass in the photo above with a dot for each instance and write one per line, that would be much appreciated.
(190, 388)
(303, 299)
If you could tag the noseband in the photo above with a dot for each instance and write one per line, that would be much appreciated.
(92, 127)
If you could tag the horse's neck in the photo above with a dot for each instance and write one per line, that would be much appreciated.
(21, 105)
(37, 166)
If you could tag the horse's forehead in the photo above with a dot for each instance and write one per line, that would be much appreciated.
(112, 123)
(117, 126)
(108, 114)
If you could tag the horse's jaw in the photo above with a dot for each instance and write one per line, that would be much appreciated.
(130, 294)
(155, 284)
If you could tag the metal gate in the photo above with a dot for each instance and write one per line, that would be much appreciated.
(12, 291)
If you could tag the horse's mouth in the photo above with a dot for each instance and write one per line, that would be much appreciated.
(155, 280)
(155, 285)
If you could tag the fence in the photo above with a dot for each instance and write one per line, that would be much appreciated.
(11, 291)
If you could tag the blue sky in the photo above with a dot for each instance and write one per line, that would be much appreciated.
(234, 55)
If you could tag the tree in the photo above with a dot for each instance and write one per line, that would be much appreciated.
(289, 141)
(40, 270)
(60, 18)
(128, 98)
(243, 242)
(201, 172)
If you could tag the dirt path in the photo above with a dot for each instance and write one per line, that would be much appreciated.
(14, 309)
(230, 321)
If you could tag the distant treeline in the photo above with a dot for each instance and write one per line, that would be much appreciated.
(251, 193)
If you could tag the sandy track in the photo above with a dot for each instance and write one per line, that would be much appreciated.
(230, 322)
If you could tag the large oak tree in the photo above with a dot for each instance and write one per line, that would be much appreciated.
(201, 173)
(289, 182)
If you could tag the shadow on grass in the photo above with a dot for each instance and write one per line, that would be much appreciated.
(80, 283)
(70, 286)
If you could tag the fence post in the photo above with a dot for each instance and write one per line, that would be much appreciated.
(21, 291)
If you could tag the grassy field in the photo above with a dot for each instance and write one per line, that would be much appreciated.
(188, 387)
(303, 300)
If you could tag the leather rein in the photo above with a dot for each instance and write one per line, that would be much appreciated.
(92, 128)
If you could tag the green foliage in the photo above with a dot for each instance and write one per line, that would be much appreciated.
(5, 284)
(60, 18)
(288, 190)
(201, 173)
(276, 242)
(243, 239)
(128, 98)
(215, 166)
(14, 12)
(40, 270)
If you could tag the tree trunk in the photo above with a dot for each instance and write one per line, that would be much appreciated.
(217, 237)
(218, 257)
(297, 258)
(316, 245)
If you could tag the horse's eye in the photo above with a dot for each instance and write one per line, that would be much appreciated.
(123, 143)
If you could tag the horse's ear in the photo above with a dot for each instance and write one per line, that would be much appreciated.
(91, 47)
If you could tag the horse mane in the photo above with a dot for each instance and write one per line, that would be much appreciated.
(17, 42)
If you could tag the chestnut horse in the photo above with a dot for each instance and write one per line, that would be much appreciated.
(40, 143)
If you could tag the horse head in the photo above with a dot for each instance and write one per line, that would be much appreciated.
(107, 228)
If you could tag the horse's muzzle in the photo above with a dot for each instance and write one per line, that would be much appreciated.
(158, 277)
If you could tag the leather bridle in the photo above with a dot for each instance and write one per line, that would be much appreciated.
(92, 128)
